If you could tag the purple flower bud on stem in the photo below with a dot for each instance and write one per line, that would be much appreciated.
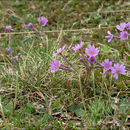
(19, 54)
(81, 59)
(9, 50)
(30, 25)
(98, 66)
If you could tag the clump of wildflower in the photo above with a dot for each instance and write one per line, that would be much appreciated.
(110, 36)
(59, 51)
(8, 28)
(78, 46)
(92, 51)
(55, 65)
(124, 35)
(15, 60)
(92, 59)
(118, 69)
(121, 27)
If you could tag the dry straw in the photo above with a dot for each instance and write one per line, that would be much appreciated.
(74, 30)
(58, 31)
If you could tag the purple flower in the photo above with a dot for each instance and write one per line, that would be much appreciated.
(30, 25)
(92, 59)
(8, 28)
(9, 50)
(55, 65)
(19, 54)
(10, 55)
(118, 69)
(107, 64)
(110, 36)
(59, 51)
(42, 20)
(128, 26)
(121, 27)
(91, 51)
(124, 35)
(78, 46)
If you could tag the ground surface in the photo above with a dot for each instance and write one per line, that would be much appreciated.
(31, 97)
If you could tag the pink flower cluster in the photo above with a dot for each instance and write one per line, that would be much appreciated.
(92, 52)
(123, 28)
(56, 65)
(115, 69)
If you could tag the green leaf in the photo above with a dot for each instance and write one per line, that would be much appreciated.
(72, 107)
(81, 124)
(8, 108)
(46, 101)
(29, 108)
(124, 105)
(105, 49)
(46, 118)
(80, 112)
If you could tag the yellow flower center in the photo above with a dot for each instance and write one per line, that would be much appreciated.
(56, 67)
(118, 71)
(107, 66)
(91, 52)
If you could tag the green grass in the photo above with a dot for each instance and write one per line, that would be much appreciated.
(33, 98)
